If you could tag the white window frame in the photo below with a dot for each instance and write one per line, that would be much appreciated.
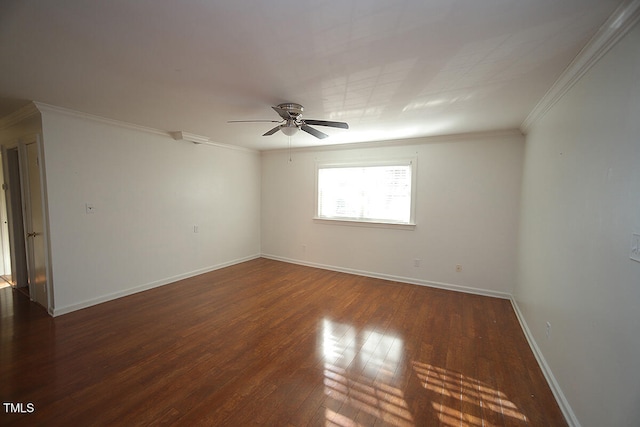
(403, 161)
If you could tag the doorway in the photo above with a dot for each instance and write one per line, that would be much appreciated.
(25, 261)
(5, 251)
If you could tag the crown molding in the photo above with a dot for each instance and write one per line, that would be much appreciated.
(47, 108)
(19, 115)
(205, 140)
(178, 136)
(614, 28)
(227, 146)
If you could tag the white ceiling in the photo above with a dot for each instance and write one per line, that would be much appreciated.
(390, 68)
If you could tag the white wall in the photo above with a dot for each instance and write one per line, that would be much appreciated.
(148, 191)
(581, 203)
(467, 213)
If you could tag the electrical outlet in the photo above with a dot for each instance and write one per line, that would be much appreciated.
(458, 268)
(635, 247)
(416, 262)
(196, 228)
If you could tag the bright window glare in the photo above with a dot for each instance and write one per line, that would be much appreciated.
(365, 193)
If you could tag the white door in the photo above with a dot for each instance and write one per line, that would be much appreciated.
(34, 224)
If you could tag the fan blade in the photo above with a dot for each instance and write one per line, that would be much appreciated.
(314, 132)
(283, 113)
(341, 125)
(254, 121)
(272, 131)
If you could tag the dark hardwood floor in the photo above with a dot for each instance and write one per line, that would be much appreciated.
(276, 344)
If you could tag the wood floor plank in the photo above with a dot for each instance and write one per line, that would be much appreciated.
(270, 343)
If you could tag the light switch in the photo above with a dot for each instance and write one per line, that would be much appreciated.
(90, 208)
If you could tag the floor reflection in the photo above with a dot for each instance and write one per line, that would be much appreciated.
(6, 302)
(363, 371)
(359, 372)
(478, 397)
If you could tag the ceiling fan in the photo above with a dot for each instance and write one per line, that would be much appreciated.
(291, 121)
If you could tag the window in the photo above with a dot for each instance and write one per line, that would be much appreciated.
(380, 192)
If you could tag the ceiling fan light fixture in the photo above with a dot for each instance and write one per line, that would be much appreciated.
(289, 129)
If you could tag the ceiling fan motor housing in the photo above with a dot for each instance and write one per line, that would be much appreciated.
(294, 109)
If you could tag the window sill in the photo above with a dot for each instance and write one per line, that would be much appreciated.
(358, 223)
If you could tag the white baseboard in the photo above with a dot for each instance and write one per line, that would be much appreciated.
(115, 295)
(402, 279)
(568, 413)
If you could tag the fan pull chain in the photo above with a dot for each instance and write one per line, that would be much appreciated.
(290, 149)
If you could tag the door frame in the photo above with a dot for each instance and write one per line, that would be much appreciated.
(25, 215)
